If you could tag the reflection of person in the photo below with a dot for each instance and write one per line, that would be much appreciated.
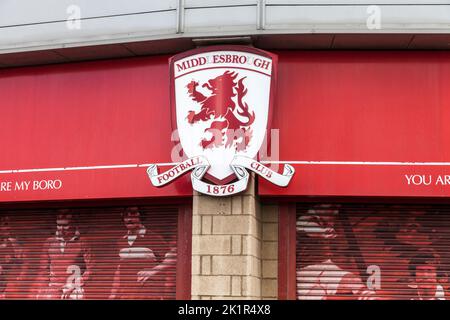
(322, 278)
(12, 268)
(415, 231)
(66, 261)
(142, 257)
(424, 269)
(403, 235)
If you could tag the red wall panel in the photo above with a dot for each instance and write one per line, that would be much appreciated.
(387, 108)
(363, 107)
(86, 114)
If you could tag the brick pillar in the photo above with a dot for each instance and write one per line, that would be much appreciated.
(226, 247)
(228, 258)
(269, 257)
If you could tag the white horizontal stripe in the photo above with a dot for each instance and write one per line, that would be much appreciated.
(162, 164)
(121, 166)
(361, 163)
(125, 166)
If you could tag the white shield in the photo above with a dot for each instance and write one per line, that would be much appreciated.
(221, 101)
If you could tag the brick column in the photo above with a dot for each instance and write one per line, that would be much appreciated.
(227, 248)
(269, 256)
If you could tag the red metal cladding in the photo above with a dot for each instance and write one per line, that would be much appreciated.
(101, 253)
(348, 107)
(372, 252)
(95, 114)
(344, 108)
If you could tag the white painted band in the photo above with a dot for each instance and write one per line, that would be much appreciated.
(145, 165)
(276, 178)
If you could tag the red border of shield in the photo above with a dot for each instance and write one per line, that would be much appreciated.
(273, 84)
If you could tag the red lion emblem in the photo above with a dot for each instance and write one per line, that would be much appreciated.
(220, 106)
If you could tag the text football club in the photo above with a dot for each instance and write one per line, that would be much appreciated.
(221, 103)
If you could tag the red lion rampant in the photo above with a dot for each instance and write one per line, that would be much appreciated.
(220, 106)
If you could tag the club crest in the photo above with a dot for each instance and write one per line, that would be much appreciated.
(221, 100)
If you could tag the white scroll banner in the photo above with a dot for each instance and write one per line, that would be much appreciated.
(220, 190)
(168, 176)
(200, 166)
(276, 178)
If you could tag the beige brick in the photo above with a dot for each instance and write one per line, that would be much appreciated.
(236, 265)
(251, 246)
(249, 205)
(269, 288)
(196, 265)
(270, 213)
(230, 265)
(196, 203)
(211, 285)
(270, 250)
(206, 265)
(270, 268)
(236, 245)
(195, 297)
(235, 225)
(224, 205)
(251, 185)
(226, 298)
(236, 286)
(196, 224)
(251, 298)
(251, 287)
(254, 268)
(207, 205)
(205, 298)
(236, 205)
(206, 224)
(271, 298)
(211, 245)
(259, 231)
(270, 231)
(258, 210)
